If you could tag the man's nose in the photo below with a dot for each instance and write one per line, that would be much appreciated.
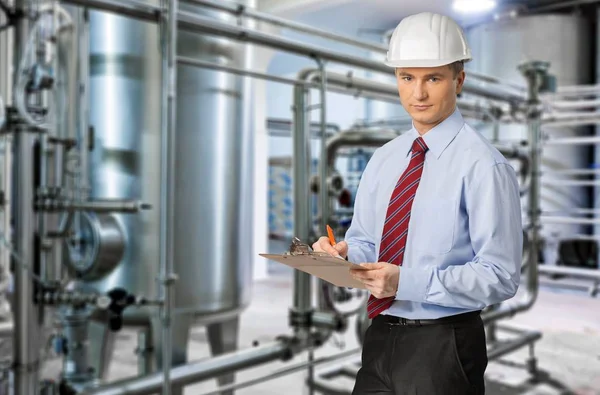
(420, 92)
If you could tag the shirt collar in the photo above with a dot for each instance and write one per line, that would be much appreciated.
(438, 138)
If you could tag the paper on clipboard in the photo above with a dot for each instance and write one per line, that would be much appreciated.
(333, 270)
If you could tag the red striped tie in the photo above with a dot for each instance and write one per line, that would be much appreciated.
(395, 229)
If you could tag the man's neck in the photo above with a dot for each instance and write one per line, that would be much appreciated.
(423, 128)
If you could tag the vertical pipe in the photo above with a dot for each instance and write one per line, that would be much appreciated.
(83, 25)
(6, 60)
(45, 243)
(301, 170)
(535, 73)
(534, 130)
(7, 166)
(167, 214)
(144, 351)
(301, 167)
(27, 328)
(323, 188)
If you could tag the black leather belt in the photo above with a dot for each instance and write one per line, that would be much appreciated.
(393, 320)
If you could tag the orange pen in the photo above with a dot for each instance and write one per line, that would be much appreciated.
(331, 236)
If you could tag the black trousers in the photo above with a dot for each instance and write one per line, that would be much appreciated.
(447, 358)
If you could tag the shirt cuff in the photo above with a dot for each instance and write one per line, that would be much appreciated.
(413, 284)
(355, 255)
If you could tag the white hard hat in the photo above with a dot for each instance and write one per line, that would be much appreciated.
(427, 40)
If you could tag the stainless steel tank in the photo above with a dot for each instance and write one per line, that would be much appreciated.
(565, 41)
(213, 209)
(125, 163)
(214, 187)
(213, 249)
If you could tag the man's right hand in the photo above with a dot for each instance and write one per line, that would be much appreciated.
(323, 245)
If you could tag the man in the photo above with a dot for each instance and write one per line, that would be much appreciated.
(437, 223)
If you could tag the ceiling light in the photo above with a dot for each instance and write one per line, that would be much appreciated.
(473, 6)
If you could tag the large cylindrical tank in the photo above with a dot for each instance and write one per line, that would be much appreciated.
(213, 207)
(125, 163)
(214, 146)
(565, 41)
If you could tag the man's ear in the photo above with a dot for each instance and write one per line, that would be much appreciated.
(460, 81)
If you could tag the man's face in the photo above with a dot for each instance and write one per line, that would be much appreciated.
(428, 94)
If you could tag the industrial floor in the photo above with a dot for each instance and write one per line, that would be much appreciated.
(568, 353)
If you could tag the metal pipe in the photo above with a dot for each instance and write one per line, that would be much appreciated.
(199, 24)
(6, 82)
(144, 350)
(588, 274)
(589, 290)
(512, 345)
(570, 119)
(572, 172)
(238, 10)
(83, 24)
(583, 140)
(301, 165)
(197, 371)
(284, 372)
(97, 206)
(355, 138)
(168, 155)
(576, 183)
(574, 104)
(577, 89)
(6, 49)
(27, 315)
(534, 73)
(323, 189)
(569, 220)
(580, 211)
(324, 169)
(343, 84)
(131, 8)
(6, 214)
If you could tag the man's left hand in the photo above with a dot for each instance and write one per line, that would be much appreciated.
(381, 278)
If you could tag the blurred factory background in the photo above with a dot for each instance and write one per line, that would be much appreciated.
(152, 149)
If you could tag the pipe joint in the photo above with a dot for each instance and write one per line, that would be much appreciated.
(329, 320)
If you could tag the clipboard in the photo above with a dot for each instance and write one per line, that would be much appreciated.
(319, 264)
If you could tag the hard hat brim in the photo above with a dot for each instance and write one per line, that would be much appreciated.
(424, 62)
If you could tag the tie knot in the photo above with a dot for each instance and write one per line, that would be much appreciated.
(419, 145)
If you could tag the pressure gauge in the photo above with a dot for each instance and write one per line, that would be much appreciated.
(96, 248)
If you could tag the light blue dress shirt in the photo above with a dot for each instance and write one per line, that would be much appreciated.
(465, 242)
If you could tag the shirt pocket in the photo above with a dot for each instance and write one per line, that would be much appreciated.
(433, 228)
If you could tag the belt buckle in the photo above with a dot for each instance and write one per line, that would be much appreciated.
(401, 322)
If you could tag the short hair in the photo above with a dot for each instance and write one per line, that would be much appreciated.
(457, 67)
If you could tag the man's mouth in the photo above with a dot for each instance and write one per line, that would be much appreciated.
(421, 106)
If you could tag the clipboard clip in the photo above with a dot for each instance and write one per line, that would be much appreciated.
(299, 248)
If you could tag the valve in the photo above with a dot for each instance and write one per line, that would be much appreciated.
(120, 300)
